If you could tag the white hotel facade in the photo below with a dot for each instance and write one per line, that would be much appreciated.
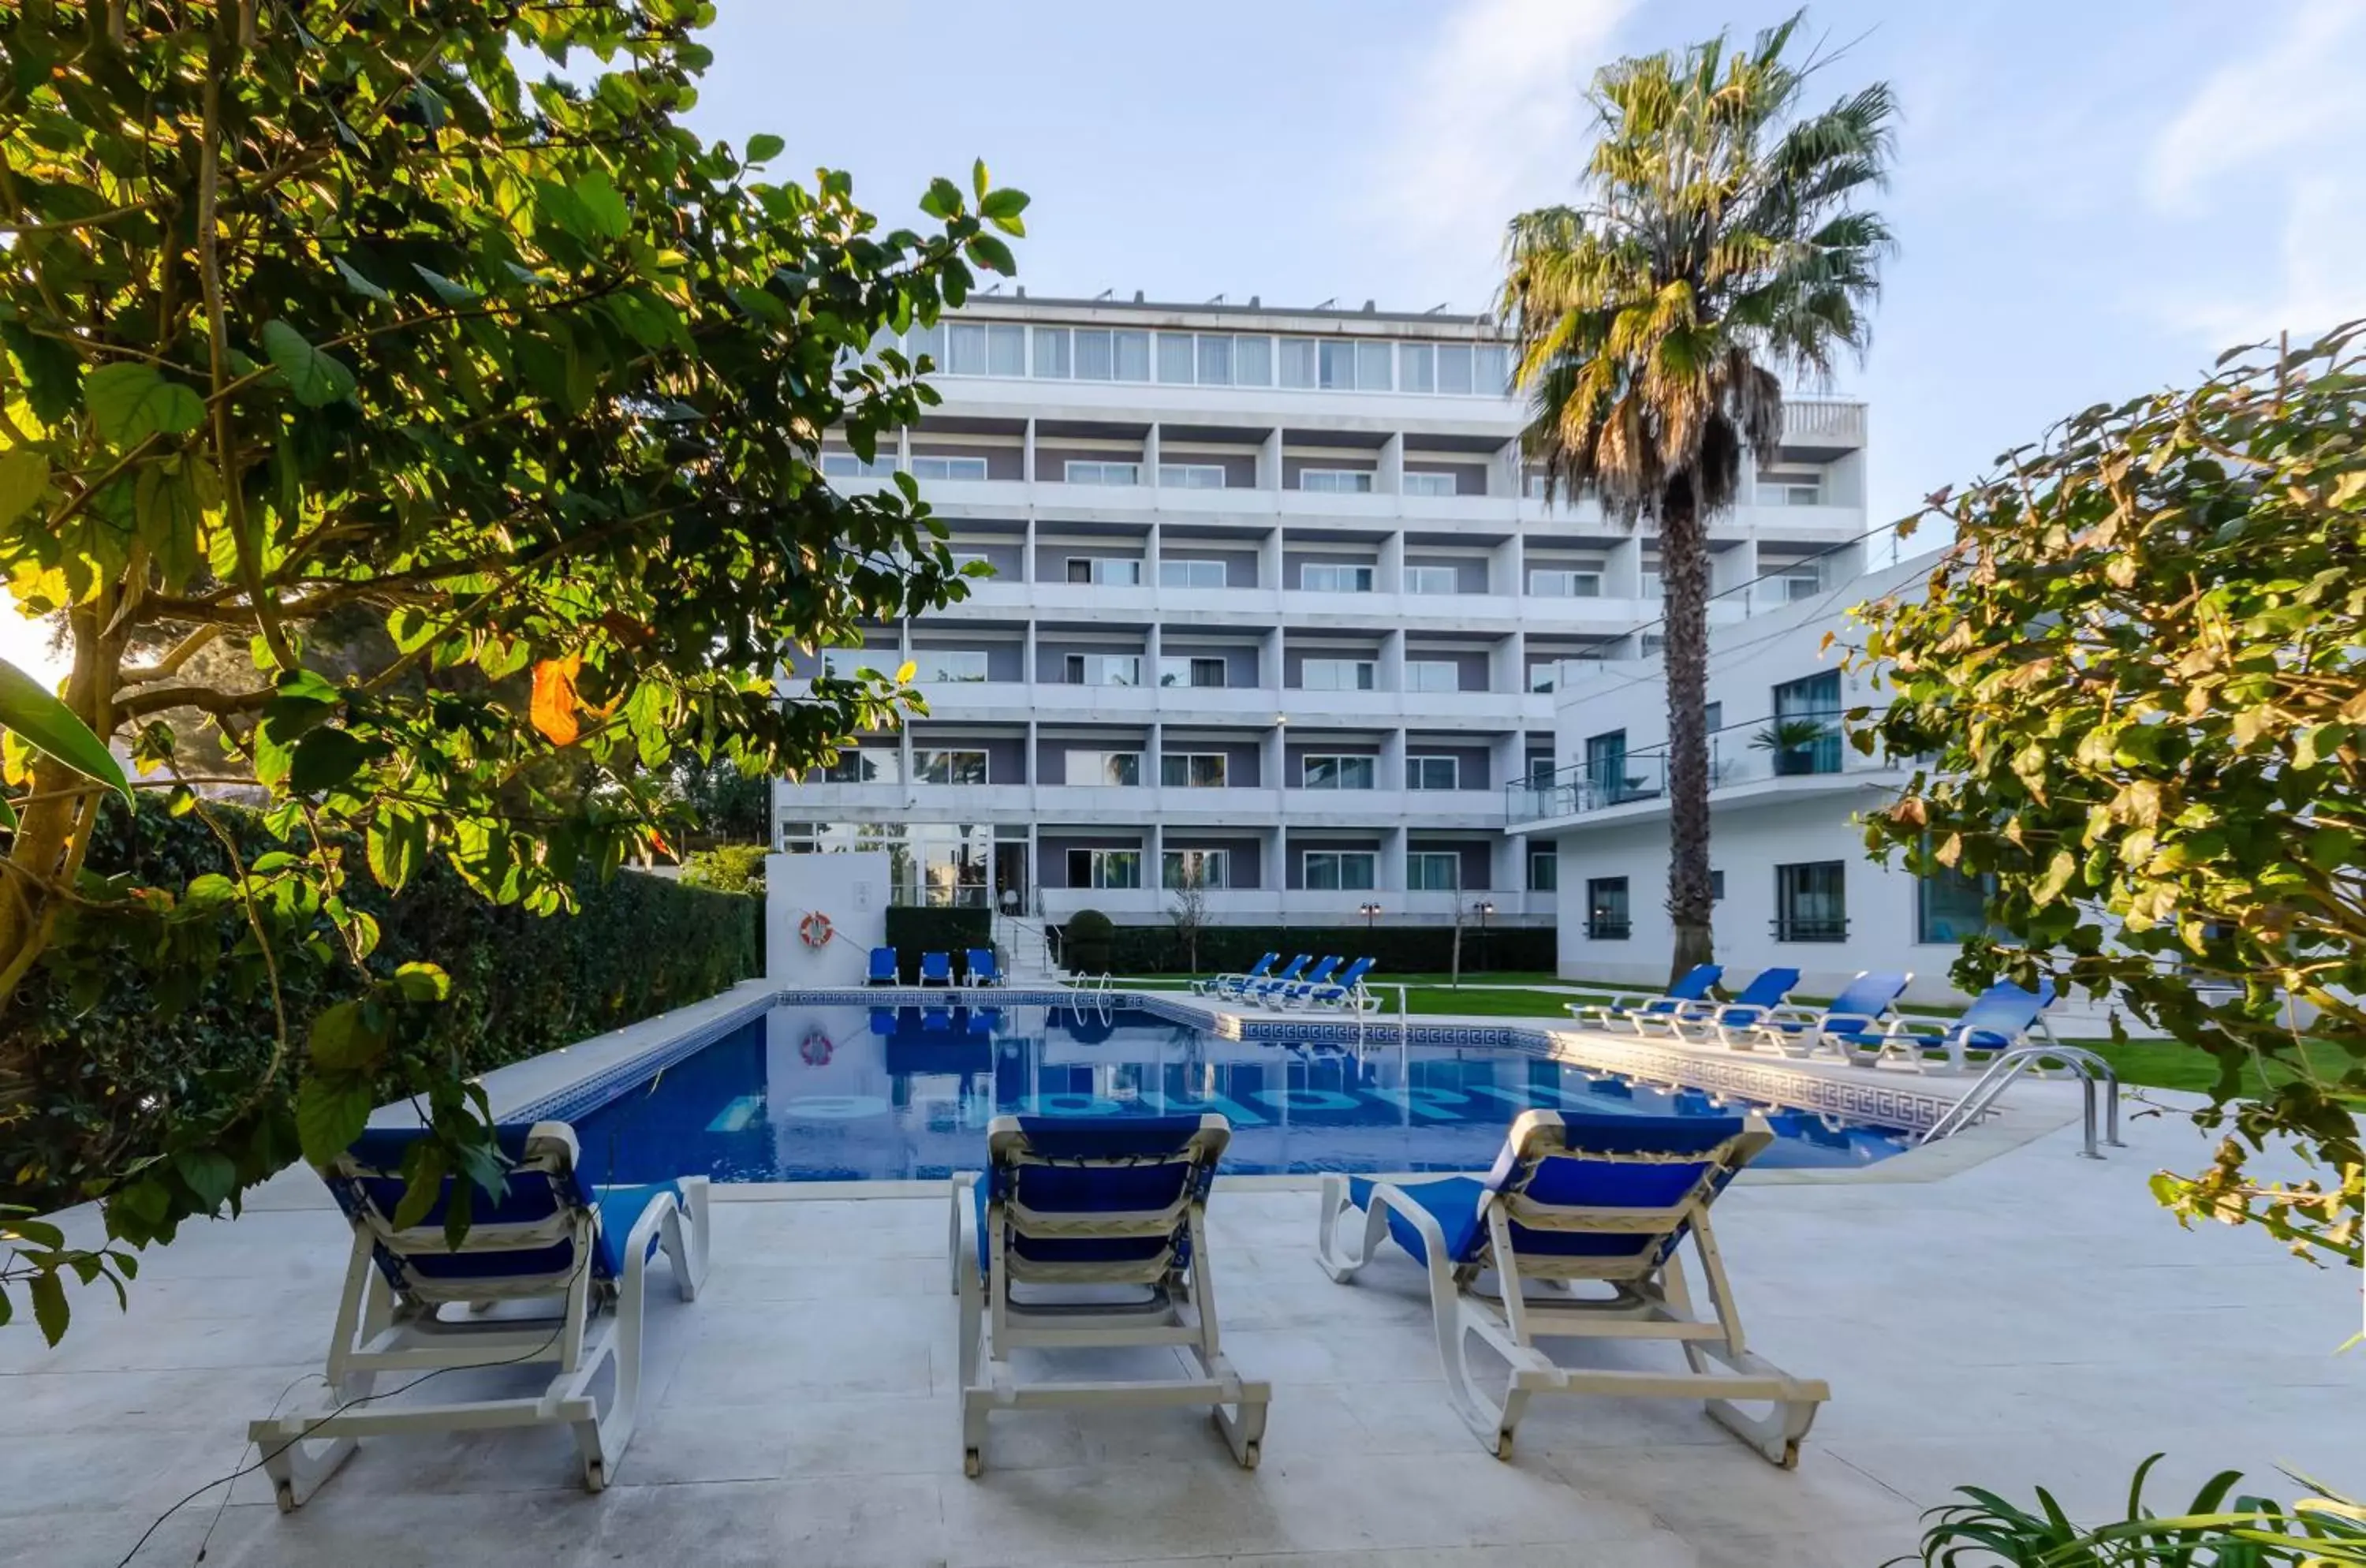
(1274, 603)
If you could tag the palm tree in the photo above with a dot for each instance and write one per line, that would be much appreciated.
(1719, 248)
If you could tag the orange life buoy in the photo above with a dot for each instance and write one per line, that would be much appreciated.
(816, 1048)
(814, 930)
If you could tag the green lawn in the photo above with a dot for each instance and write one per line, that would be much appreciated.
(2166, 1063)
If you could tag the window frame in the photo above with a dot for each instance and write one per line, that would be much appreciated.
(922, 755)
(1369, 859)
(1339, 771)
(1223, 571)
(1077, 665)
(1453, 575)
(1452, 667)
(926, 658)
(1171, 860)
(1350, 475)
(1790, 925)
(1187, 759)
(1362, 575)
(1111, 777)
(1569, 577)
(1434, 483)
(1101, 468)
(1097, 863)
(1601, 894)
(1428, 860)
(1177, 476)
(1368, 681)
(1097, 569)
(1419, 763)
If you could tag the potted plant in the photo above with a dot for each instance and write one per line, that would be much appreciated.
(1793, 742)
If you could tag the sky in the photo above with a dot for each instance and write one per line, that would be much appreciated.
(2091, 199)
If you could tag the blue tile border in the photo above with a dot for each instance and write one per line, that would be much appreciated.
(1881, 1102)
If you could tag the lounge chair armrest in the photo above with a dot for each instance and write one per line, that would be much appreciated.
(956, 1253)
(1848, 1022)
(1752, 1013)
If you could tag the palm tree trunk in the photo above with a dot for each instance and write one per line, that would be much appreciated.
(1683, 577)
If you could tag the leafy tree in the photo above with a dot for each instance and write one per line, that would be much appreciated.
(724, 804)
(727, 868)
(312, 311)
(1719, 248)
(2135, 683)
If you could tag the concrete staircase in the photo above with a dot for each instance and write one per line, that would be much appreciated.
(1024, 948)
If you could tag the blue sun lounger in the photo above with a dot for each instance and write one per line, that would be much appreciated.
(1221, 984)
(882, 966)
(1249, 990)
(981, 966)
(2000, 1018)
(553, 1238)
(1732, 1022)
(1863, 1006)
(936, 968)
(1345, 994)
(1578, 1198)
(1103, 1219)
(1690, 993)
(1279, 993)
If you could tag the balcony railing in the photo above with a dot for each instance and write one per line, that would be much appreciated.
(1810, 928)
(1746, 752)
(1821, 419)
(1608, 931)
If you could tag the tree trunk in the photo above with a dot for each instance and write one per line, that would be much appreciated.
(1683, 577)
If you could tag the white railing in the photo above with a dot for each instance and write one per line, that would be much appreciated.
(1822, 420)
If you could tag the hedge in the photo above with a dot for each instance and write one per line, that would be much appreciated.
(1399, 950)
(118, 1068)
(913, 930)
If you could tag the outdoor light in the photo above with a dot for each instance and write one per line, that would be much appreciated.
(1370, 912)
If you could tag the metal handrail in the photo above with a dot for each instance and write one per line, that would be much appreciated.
(2090, 1070)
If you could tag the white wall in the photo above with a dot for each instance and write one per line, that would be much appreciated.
(1747, 845)
(851, 889)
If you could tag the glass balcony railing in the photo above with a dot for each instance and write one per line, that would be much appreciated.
(1796, 746)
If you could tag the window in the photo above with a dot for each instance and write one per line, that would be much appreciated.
(1053, 357)
(1103, 355)
(1650, 585)
(1453, 368)
(1811, 901)
(1432, 675)
(1491, 370)
(872, 764)
(1790, 487)
(1419, 483)
(1432, 580)
(1544, 871)
(1606, 910)
(1078, 473)
(1344, 870)
(1336, 772)
(1191, 476)
(1297, 361)
(1335, 481)
(1180, 670)
(1715, 885)
(1807, 722)
(1104, 669)
(1605, 769)
(1799, 579)
(973, 348)
(1253, 362)
(1104, 868)
(1188, 572)
(1174, 358)
(847, 466)
(1196, 868)
(1376, 365)
(1335, 675)
(1103, 770)
(1428, 871)
(1192, 769)
(1335, 365)
(949, 467)
(1417, 368)
(1331, 577)
(928, 341)
(1215, 360)
(1110, 571)
(1557, 582)
(1712, 717)
(1542, 675)
(848, 663)
(949, 767)
(1433, 772)
(1951, 904)
(963, 664)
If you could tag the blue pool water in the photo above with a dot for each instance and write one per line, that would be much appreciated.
(834, 1094)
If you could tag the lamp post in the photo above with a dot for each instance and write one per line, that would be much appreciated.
(1371, 913)
(1485, 907)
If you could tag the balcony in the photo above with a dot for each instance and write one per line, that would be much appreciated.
(1822, 422)
(1759, 757)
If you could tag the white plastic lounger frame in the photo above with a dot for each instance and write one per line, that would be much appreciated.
(1650, 1299)
(1687, 998)
(1170, 1261)
(383, 1326)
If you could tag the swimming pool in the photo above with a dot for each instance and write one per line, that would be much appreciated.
(809, 1093)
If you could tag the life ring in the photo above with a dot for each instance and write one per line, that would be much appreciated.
(814, 930)
(816, 1048)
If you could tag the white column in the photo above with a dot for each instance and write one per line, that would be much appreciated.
(1269, 461)
(1389, 479)
(1622, 569)
(1027, 464)
(1027, 567)
(1392, 662)
(1269, 561)
(1388, 576)
(1150, 455)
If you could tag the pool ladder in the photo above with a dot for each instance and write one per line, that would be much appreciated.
(2089, 1069)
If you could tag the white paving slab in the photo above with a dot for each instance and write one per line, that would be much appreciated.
(2032, 1318)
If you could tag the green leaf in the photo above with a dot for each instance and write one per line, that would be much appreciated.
(425, 1184)
(991, 255)
(52, 728)
(1001, 204)
(943, 199)
(49, 1309)
(24, 477)
(317, 378)
(169, 513)
(452, 294)
(329, 1115)
(210, 1174)
(38, 1232)
(356, 282)
(763, 147)
(977, 180)
(343, 1039)
(131, 400)
(420, 982)
(601, 204)
(327, 759)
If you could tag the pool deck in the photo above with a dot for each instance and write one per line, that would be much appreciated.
(2030, 1318)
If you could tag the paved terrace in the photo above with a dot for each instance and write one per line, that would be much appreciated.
(2033, 1318)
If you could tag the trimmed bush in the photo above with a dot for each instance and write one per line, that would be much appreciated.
(727, 868)
(1399, 950)
(1087, 941)
(125, 1057)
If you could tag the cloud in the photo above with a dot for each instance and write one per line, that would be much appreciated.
(2270, 142)
(1493, 121)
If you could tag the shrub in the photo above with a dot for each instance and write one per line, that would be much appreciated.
(912, 931)
(1394, 950)
(1088, 940)
(147, 1057)
(727, 868)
